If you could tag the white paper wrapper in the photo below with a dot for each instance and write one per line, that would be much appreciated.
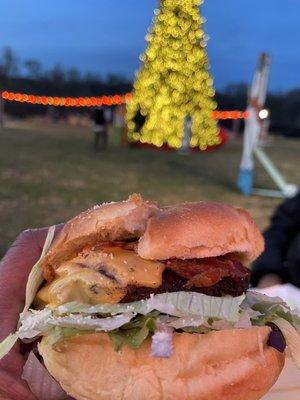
(40, 382)
(289, 293)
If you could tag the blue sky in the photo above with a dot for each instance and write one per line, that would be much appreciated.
(108, 35)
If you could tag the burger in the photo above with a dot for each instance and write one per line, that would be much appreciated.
(145, 302)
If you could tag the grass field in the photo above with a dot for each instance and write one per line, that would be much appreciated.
(49, 173)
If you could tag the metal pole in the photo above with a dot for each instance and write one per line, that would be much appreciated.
(286, 189)
(1, 111)
(270, 168)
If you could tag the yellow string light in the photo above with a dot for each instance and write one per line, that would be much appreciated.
(174, 81)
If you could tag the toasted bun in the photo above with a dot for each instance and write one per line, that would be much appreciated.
(226, 365)
(198, 230)
(189, 230)
(106, 222)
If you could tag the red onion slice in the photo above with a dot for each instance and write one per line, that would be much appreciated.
(162, 342)
(40, 382)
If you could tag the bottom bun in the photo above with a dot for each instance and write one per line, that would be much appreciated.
(226, 365)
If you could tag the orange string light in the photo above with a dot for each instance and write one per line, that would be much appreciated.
(117, 99)
(114, 100)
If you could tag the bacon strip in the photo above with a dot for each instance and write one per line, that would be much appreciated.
(206, 272)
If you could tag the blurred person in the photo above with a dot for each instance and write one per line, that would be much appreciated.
(100, 129)
(121, 125)
(139, 121)
(280, 262)
(14, 270)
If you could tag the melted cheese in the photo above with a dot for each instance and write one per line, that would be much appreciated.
(99, 277)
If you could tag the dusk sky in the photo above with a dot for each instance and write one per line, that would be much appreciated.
(107, 36)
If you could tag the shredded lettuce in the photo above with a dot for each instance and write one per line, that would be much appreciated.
(179, 323)
(134, 333)
(35, 323)
(179, 310)
(269, 308)
(131, 323)
(179, 304)
(89, 322)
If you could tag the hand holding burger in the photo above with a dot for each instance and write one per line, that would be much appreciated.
(14, 270)
(142, 302)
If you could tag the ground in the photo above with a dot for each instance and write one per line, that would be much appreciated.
(49, 173)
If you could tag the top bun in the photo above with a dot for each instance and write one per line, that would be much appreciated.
(189, 230)
(198, 230)
(106, 222)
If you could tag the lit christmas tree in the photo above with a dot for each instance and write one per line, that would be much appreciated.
(174, 81)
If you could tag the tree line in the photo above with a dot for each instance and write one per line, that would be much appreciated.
(31, 77)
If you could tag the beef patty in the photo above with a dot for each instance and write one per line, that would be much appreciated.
(192, 275)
